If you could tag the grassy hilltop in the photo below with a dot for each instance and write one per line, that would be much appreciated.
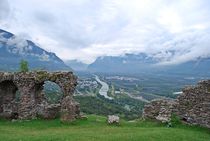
(96, 129)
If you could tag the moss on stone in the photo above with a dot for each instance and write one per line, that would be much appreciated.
(209, 89)
(41, 75)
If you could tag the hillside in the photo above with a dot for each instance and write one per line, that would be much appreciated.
(13, 49)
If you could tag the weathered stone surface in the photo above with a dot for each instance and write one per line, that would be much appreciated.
(160, 110)
(48, 111)
(112, 119)
(192, 106)
(69, 109)
(31, 100)
(8, 105)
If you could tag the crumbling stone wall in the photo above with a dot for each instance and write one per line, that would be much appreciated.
(192, 106)
(160, 109)
(32, 102)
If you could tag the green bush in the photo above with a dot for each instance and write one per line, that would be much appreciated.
(175, 121)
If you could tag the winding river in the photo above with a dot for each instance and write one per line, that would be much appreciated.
(104, 89)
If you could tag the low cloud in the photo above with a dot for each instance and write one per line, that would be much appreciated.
(18, 45)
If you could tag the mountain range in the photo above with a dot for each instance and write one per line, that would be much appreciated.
(142, 63)
(14, 49)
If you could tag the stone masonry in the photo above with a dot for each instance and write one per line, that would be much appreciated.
(32, 102)
(160, 109)
(192, 106)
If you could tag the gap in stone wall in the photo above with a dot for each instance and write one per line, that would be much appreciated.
(17, 96)
(52, 92)
(8, 100)
(208, 88)
(48, 98)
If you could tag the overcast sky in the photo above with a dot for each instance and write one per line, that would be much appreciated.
(86, 29)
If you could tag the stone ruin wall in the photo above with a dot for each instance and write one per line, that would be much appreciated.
(32, 102)
(192, 106)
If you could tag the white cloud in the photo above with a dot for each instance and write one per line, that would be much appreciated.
(4, 9)
(171, 20)
(86, 29)
(44, 56)
(17, 45)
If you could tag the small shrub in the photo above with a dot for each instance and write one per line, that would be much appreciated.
(24, 66)
(175, 120)
(169, 124)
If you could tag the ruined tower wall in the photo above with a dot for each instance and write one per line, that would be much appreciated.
(32, 101)
(192, 106)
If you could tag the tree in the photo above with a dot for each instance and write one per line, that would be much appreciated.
(24, 66)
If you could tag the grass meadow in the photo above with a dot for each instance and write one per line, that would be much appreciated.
(95, 128)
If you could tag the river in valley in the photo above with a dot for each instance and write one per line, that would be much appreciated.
(104, 89)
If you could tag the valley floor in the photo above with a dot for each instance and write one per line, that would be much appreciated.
(96, 129)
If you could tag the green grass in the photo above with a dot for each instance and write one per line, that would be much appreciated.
(96, 129)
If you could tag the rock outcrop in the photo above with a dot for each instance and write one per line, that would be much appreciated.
(32, 102)
(112, 119)
(192, 106)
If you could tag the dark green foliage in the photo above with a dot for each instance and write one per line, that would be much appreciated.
(24, 66)
(102, 106)
(175, 121)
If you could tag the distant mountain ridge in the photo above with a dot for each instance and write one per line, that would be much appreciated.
(77, 65)
(138, 63)
(13, 49)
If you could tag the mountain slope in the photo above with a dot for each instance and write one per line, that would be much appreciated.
(13, 49)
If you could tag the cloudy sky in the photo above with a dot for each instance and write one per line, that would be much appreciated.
(173, 30)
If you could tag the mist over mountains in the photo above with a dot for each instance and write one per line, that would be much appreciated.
(14, 49)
